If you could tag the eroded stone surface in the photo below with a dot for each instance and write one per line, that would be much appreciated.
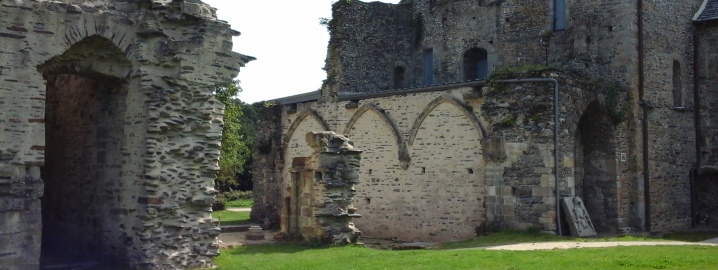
(320, 198)
(110, 104)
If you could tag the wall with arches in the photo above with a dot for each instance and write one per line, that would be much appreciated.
(109, 132)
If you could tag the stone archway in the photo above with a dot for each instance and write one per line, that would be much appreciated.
(595, 167)
(86, 114)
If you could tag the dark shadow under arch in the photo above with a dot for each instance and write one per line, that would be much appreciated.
(403, 153)
(595, 167)
(85, 154)
(466, 109)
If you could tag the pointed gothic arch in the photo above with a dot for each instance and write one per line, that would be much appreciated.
(466, 109)
(403, 153)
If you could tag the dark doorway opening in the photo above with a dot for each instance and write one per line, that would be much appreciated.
(595, 168)
(84, 156)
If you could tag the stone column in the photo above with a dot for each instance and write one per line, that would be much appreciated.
(328, 187)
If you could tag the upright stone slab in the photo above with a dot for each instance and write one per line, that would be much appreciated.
(325, 209)
(577, 216)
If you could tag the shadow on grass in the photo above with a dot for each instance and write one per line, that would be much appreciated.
(283, 247)
(694, 236)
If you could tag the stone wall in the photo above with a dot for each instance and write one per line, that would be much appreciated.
(706, 187)
(438, 164)
(671, 125)
(110, 104)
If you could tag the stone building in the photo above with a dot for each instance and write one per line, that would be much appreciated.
(453, 103)
(109, 132)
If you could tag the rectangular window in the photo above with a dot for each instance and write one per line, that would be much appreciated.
(428, 66)
(559, 15)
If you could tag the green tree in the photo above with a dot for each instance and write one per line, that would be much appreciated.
(234, 151)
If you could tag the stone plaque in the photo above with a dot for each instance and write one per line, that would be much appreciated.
(578, 220)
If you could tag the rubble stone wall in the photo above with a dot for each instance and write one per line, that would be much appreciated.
(436, 165)
(154, 149)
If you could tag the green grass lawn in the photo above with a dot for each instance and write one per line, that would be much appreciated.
(241, 203)
(231, 218)
(301, 256)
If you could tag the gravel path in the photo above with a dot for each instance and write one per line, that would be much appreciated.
(569, 245)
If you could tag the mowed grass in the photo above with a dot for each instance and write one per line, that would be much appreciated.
(241, 203)
(301, 256)
(231, 218)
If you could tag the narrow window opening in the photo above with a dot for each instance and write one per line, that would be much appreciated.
(423, 170)
(476, 64)
(470, 171)
(677, 85)
(318, 176)
(399, 76)
(368, 200)
(428, 66)
(370, 171)
(559, 15)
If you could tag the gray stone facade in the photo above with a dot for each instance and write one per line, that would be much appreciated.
(443, 155)
(109, 132)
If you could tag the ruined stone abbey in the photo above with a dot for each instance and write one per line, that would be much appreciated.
(110, 133)
(484, 113)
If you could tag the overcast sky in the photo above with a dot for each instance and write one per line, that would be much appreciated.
(287, 40)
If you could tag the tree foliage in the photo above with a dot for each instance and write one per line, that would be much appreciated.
(236, 138)
(230, 161)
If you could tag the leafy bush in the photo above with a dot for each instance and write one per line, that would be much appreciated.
(219, 204)
(234, 195)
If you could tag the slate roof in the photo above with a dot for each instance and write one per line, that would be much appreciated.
(708, 12)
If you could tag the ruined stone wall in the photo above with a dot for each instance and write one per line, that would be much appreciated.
(267, 167)
(706, 186)
(708, 67)
(150, 157)
(438, 164)
(671, 126)
(368, 41)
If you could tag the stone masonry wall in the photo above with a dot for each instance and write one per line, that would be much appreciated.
(669, 41)
(154, 151)
(436, 165)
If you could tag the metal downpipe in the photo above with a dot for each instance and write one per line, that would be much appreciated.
(556, 144)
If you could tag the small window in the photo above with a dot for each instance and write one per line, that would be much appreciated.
(559, 15)
(476, 64)
(399, 77)
(428, 66)
(677, 85)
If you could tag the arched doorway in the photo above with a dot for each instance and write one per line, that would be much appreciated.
(85, 198)
(595, 171)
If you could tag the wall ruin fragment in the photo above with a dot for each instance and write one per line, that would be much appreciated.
(109, 132)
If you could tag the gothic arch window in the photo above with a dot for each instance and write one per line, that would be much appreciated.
(476, 64)
(399, 77)
(677, 85)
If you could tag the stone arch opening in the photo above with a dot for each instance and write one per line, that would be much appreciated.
(595, 167)
(476, 64)
(86, 202)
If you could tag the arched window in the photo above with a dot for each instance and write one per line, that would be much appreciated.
(677, 85)
(476, 64)
(399, 77)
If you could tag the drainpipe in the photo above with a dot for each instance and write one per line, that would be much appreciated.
(641, 95)
(555, 139)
